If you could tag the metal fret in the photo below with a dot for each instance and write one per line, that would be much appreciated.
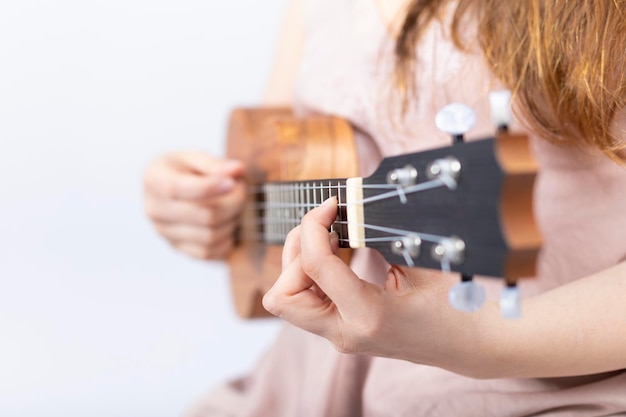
(284, 205)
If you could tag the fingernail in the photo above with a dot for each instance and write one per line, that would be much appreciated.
(330, 201)
(230, 164)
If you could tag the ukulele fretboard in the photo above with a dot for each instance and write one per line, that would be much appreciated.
(282, 206)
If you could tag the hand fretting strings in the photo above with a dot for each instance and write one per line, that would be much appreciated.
(281, 206)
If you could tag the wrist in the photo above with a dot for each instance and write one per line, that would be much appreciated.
(479, 343)
(469, 344)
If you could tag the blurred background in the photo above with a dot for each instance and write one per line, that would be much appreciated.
(98, 316)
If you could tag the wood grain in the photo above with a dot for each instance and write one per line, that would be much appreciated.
(277, 146)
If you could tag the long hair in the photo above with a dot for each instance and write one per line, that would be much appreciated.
(564, 61)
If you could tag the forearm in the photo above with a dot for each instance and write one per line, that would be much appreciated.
(576, 329)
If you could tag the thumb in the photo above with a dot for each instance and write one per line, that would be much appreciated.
(203, 163)
(398, 282)
(191, 176)
(402, 280)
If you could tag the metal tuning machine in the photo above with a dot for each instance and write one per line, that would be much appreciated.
(455, 119)
(500, 103)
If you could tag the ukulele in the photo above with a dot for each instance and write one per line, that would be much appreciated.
(465, 208)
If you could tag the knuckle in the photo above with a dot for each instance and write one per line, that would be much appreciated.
(208, 236)
(169, 189)
(292, 236)
(313, 265)
(209, 218)
(215, 251)
(150, 174)
(157, 213)
(158, 178)
(205, 253)
(192, 250)
(271, 304)
(151, 210)
(292, 233)
(310, 266)
(162, 230)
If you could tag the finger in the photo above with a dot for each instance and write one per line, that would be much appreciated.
(217, 252)
(204, 236)
(174, 184)
(177, 211)
(191, 175)
(292, 299)
(291, 248)
(291, 251)
(231, 201)
(328, 271)
(206, 164)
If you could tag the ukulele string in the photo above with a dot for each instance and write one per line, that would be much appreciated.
(261, 190)
(398, 191)
(282, 216)
(394, 234)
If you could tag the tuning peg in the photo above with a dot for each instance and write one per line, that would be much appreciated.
(467, 296)
(500, 102)
(450, 250)
(409, 247)
(448, 170)
(455, 119)
(510, 302)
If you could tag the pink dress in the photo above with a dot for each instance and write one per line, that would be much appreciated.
(580, 207)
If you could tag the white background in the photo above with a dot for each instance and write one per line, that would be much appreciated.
(98, 316)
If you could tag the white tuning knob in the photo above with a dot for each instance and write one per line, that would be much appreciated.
(455, 119)
(467, 296)
(510, 303)
(500, 102)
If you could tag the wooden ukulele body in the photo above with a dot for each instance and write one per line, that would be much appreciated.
(276, 146)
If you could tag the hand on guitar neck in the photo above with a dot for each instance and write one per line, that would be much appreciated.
(319, 293)
(194, 202)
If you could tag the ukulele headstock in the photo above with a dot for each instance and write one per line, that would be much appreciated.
(465, 208)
